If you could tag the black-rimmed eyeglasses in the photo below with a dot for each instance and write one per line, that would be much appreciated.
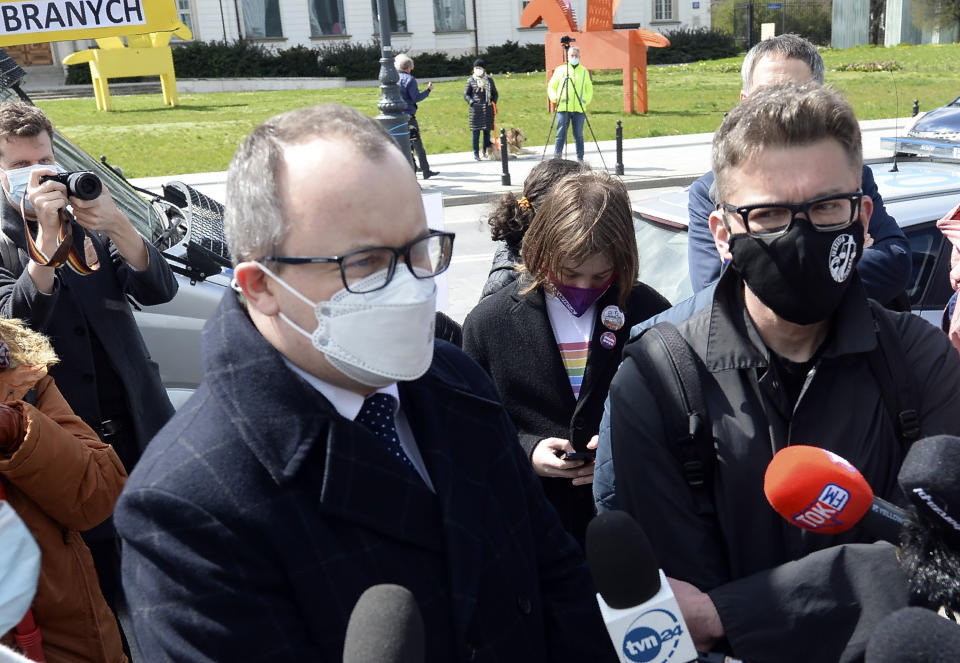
(366, 270)
(826, 214)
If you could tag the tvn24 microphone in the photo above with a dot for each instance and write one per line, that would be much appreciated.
(821, 492)
(637, 604)
(914, 635)
(385, 627)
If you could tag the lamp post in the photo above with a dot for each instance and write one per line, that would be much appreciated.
(391, 116)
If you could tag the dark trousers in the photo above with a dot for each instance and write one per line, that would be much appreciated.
(476, 140)
(416, 144)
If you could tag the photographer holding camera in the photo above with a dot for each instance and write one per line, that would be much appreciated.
(571, 89)
(105, 372)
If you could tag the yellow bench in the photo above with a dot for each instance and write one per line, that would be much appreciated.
(143, 55)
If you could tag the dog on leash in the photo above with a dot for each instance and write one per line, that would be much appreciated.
(515, 140)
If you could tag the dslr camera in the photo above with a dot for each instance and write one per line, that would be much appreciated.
(566, 40)
(82, 184)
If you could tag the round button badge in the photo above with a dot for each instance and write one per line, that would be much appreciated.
(608, 340)
(612, 317)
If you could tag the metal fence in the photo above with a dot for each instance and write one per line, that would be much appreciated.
(808, 18)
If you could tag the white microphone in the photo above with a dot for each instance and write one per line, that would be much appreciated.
(641, 614)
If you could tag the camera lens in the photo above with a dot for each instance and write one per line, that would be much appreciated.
(84, 185)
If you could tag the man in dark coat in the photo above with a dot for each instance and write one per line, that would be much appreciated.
(105, 371)
(334, 445)
(783, 356)
(411, 95)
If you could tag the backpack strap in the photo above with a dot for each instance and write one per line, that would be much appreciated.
(889, 367)
(671, 370)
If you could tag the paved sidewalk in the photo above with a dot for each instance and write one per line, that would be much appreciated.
(648, 163)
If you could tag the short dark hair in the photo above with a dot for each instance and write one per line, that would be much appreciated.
(787, 46)
(255, 222)
(20, 119)
(785, 115)
(583, 214)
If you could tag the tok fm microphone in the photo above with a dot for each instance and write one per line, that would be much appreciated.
(637, 604)
(385, 627)
(821, 492)
(914, 635)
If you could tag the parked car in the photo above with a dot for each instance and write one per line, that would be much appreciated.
(186, 226)
(916, 194)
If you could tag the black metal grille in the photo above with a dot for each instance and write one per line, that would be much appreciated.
(204, 221)
(10, 72)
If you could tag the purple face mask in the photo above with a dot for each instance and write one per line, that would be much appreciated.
(578, 300)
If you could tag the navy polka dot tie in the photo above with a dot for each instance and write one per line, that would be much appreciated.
(377, 416)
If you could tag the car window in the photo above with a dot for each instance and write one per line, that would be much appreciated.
(663, 259)
(929, 284)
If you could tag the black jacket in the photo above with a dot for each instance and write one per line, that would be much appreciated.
(481, 108)
(510, 336)
(81, 307)
(502, 269)
(259, 515)
(840, 409)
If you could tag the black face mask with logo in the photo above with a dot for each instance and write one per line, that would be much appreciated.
(801, 275)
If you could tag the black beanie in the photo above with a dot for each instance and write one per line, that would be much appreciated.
(480, 63)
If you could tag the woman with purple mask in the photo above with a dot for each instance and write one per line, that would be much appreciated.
(552, 340)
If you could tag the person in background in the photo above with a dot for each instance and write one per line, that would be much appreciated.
(61, 480)
(480, 94)
(411, 95)
(552, 340)
(885, 265)
(512, 216)
(949, 225)
(105, 372)
(571, 89)
(334, 445)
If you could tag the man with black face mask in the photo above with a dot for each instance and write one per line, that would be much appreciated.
(781, 358)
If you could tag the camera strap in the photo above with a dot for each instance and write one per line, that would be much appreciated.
(66, 253)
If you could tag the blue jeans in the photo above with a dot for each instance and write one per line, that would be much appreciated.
(563, 119)
(476, 140)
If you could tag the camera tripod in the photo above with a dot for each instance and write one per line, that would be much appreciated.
(565, 42)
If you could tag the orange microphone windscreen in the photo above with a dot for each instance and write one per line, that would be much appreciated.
(816, 489)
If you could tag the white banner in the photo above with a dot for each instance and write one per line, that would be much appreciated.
(57, 15)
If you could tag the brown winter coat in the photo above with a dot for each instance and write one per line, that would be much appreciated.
(62, 480)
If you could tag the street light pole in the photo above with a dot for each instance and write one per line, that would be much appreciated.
(391, 106)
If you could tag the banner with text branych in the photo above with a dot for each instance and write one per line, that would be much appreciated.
(33, 21)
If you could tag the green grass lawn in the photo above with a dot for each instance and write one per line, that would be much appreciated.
(146, 138)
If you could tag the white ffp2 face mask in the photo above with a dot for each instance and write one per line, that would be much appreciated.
(19, 568)
(376, 338)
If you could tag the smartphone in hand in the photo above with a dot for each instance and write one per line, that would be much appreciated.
(580, 455)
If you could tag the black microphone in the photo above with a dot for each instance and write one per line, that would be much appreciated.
(385, 627)
(638, 607)
(914, 635)
(930, 547)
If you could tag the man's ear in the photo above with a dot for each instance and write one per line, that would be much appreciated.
(866, 211)
(721, 235)
(256, 287)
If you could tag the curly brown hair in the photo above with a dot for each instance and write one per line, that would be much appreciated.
(509, 221)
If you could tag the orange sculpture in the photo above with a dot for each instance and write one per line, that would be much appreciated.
(601, 47)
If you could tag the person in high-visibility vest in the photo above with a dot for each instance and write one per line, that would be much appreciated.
(571, 89)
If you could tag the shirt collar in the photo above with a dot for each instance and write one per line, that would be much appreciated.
(347, 403)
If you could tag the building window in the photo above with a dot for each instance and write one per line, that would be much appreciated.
(449, 15)
(261, 19)
(664, 10)
(184, 14)
(398, 16)
(326, 17)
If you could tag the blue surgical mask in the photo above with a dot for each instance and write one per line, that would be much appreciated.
(19, 178)
(19, 568)
(574, 61)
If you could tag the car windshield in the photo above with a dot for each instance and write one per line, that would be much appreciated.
(71, 157)
(663, 259)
